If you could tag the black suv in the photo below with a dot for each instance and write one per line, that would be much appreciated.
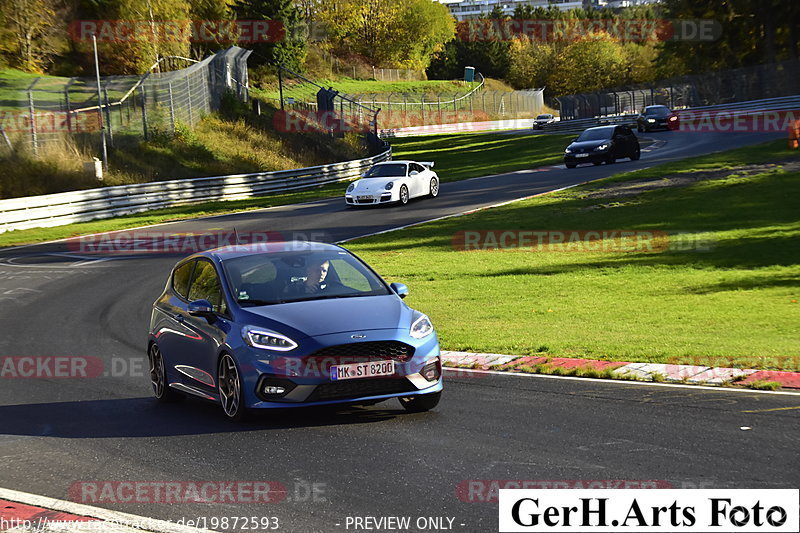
(602, 144)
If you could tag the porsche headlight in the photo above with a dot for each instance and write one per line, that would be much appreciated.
(651, 120)
(389, 186)
(568, 151)
(602, 147)
(267, 340)
(351, 187)
(421, 327)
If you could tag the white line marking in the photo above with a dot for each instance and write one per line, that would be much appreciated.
(140, 523)
(622, 381)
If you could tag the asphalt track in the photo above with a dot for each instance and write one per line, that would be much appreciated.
(376, 461)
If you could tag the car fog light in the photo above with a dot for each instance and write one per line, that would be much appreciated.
(271, 389)
(432, 370)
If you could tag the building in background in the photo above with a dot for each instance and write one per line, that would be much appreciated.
(472, 9)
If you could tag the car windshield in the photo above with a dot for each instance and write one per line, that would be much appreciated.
(596, 134)
(273, 278)
(387, 170)
(658, 111)
(544, 117)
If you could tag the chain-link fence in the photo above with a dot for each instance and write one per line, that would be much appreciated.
(45, 111)
(300, 96)
(713, 88)
(304, 105)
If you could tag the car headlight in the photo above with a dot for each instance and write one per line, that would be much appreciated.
(602, 147)
(421, 327)
(568, 151)
(267, 340)
(351, 187)
(651, 120)
(389, 186)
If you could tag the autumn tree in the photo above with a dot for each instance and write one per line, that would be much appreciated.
(30, 32)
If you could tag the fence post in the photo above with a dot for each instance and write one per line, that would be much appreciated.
(189, 92)
(6, 139)
(68, 104)
(33, 119)
(108, 118)
(422, 108)
(145, 129)
(439, 107)
(171, 108)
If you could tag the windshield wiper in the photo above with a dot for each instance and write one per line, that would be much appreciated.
(251, 301)
(328, 297)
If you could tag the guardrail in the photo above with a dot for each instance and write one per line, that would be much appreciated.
(80, 206)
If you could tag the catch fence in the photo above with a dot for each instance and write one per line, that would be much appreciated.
(713, 88)
(39, 112)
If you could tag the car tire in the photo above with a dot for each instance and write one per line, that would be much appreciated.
(637, 153)
(420, 404)
(158, 377)
(597, 162)
(611, 159)
(570, 165)
(433, 190)
(229, 384)
(403, 195)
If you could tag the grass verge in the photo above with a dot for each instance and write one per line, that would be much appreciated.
(726, 296)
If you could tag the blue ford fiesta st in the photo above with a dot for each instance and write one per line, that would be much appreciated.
(287, 325)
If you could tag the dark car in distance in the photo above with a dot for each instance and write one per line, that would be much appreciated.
(655, 117)
(602, 144)
(543, 120)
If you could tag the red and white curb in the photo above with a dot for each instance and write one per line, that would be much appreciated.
(23, 512)
(700, 375)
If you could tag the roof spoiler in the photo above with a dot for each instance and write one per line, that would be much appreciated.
(428, 164)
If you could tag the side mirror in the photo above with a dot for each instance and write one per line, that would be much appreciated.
(413, 173)
(399, 289)
(201, 308)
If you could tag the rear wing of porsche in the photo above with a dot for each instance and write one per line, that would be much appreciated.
(428, 164)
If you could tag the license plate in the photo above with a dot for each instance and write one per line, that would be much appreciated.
(362, 370)
(364, 198)
(581, 155)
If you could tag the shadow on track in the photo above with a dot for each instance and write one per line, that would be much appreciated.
(143, 417)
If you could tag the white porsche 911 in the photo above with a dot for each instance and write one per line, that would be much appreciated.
(393, 182)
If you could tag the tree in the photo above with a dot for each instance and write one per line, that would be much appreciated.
(589, 64)
(32, 28)
(401, 33)
(288, 51)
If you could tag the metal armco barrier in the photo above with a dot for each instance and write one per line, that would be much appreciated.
(80, 206)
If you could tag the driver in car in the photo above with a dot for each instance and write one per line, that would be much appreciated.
(316, 273)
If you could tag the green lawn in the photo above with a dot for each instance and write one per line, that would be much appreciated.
(733, 302)
(349, 86)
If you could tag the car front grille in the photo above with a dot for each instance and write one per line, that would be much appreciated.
(359, 388)
(362, 352)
